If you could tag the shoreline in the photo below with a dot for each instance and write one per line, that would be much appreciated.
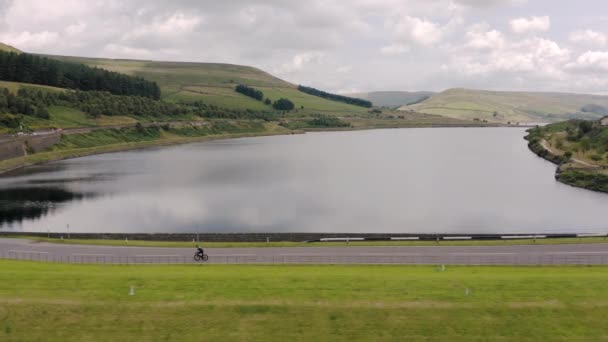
(52, 156)
(541, 151)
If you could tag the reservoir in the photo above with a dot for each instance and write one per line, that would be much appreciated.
(425, 180)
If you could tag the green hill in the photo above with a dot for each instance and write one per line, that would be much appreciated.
(502, 106)
(393, 99)
(214, 84)
(5, 47)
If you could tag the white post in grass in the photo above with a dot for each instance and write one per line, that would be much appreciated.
(132, 291)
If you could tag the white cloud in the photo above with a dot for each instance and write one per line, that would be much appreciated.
(431, 44)
(121, 51)
(170, 26)
(588, 37)
(300, 61)
(31, 41)
(530, 25)
(593, 61)
(409, 29)
(344, 69)
(394, 49)
(480, 36)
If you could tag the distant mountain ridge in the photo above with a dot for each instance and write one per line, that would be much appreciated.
(393, 99)
(512, 106)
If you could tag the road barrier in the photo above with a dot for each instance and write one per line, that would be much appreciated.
(557, 258)
(293, 237)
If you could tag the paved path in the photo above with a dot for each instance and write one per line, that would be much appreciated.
(468, 255)
(546, 146)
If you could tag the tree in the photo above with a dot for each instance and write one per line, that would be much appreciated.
(585, 126)
(268, 102)
(283, 104)
(334, 97)
(36, 69)
(251, 92)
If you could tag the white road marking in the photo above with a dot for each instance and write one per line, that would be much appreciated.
(15, 251)
(152, 255)
(91, 254)
(491, 253)
(389, 254)
(580, 253)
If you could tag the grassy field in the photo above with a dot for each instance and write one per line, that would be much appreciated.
(56, 302)
(188, 244)
(4, 47)
(579, 150)
(214, 84)
(509, 106)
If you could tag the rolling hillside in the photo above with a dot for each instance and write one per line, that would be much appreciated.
(214, 84)
(4, 47)
(393, 99)
(524, 107)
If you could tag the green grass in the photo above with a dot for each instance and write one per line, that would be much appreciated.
(510, 106)
(187, 244)
(15, 86)
(5, 47)
(106, 141)
(56, 302)
(214, 84)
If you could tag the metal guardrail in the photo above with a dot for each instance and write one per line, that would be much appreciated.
(447, 259)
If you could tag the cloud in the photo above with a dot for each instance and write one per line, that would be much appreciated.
(31, 41)
(415, 30)
(530, 25)
(391, 44)
(591, 61)
(490, 3)
(480, 36)
(588, 37)
(300, 61)
(394, 49)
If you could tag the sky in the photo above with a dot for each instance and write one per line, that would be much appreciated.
(339, 46)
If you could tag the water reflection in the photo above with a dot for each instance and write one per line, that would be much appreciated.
(412, 180)
(28, 203)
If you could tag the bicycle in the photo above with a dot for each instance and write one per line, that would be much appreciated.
(198, 256)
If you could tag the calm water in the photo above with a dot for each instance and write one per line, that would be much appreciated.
(466, 180)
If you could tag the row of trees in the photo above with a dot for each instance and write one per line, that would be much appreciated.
(251, 92)
(335, 97)
(211, 111)
(35, 103)
(24, 103)
(327, 121)
(27, 68)
(97, 103)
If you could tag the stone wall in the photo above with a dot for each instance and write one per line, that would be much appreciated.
(19, 147)
(11, 149)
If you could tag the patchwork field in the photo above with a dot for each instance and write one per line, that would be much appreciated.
(56, 302)
(495, 106)
(214, 84)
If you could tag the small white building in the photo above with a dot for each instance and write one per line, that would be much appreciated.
(604, 121)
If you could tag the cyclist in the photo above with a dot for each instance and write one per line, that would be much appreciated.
(200, 250)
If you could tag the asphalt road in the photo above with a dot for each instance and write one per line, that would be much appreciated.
(465, 255)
